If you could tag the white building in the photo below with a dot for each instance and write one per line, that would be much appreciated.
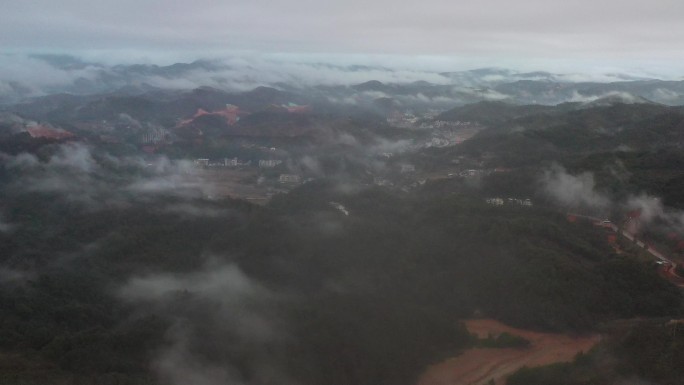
(269, 163)
(289, 178)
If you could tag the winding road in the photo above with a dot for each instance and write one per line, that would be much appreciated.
(669, 266)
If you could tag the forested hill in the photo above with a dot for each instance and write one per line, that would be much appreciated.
(107, 289)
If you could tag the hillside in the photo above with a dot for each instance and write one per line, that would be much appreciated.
(380, 289)
(492, 113)
(357, 232)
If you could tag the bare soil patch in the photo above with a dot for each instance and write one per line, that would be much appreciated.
(478, 366)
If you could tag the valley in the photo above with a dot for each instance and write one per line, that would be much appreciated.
(490, 226)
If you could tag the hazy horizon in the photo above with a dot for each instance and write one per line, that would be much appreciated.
(587, 37)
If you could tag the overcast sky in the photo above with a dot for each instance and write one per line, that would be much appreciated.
(583, 32)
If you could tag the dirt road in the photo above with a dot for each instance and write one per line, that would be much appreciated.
(479, 366)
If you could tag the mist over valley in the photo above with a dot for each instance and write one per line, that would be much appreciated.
(198, 223)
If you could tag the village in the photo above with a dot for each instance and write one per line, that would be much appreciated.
(443, 133)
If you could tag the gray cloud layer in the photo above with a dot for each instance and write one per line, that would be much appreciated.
(607, 31)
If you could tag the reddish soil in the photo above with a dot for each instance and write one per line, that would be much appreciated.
(668, 272)
(478, 366)
(48, 132)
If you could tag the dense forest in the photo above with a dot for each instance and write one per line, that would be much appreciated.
(122, 268)
(142, 285)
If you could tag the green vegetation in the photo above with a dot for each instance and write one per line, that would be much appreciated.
(368, 298)
(380, 291)
(493, 113)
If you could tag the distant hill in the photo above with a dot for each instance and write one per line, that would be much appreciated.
(489, 113)
(554, 92)
(618, 98)
(372, 85)
(266, 123)
(571, 129)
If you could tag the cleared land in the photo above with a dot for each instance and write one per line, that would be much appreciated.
(479, 366)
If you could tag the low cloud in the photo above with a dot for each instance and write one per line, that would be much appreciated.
(13, 277)
(650, 208)
(486, 94)
(222, 325)
(311, 165)
(576, 191)
(176, 365)
(5, 227)
(24, 76)
(190, 210)
(388, 146)
(228, 284)
(622, 97)
(98, 180)
(31, 76)
(666, 96)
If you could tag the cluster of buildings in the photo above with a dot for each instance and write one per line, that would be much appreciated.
(225, 162)
(471, 173)
(155, 136)
(383, 182)
(446, 138)
(403, 120)
(235, 162)
(440, 142)
(289, 178)
(444, 124)
(509, 201)
(450, 124)
(263, 163)
(269, 163)
(408, 119)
